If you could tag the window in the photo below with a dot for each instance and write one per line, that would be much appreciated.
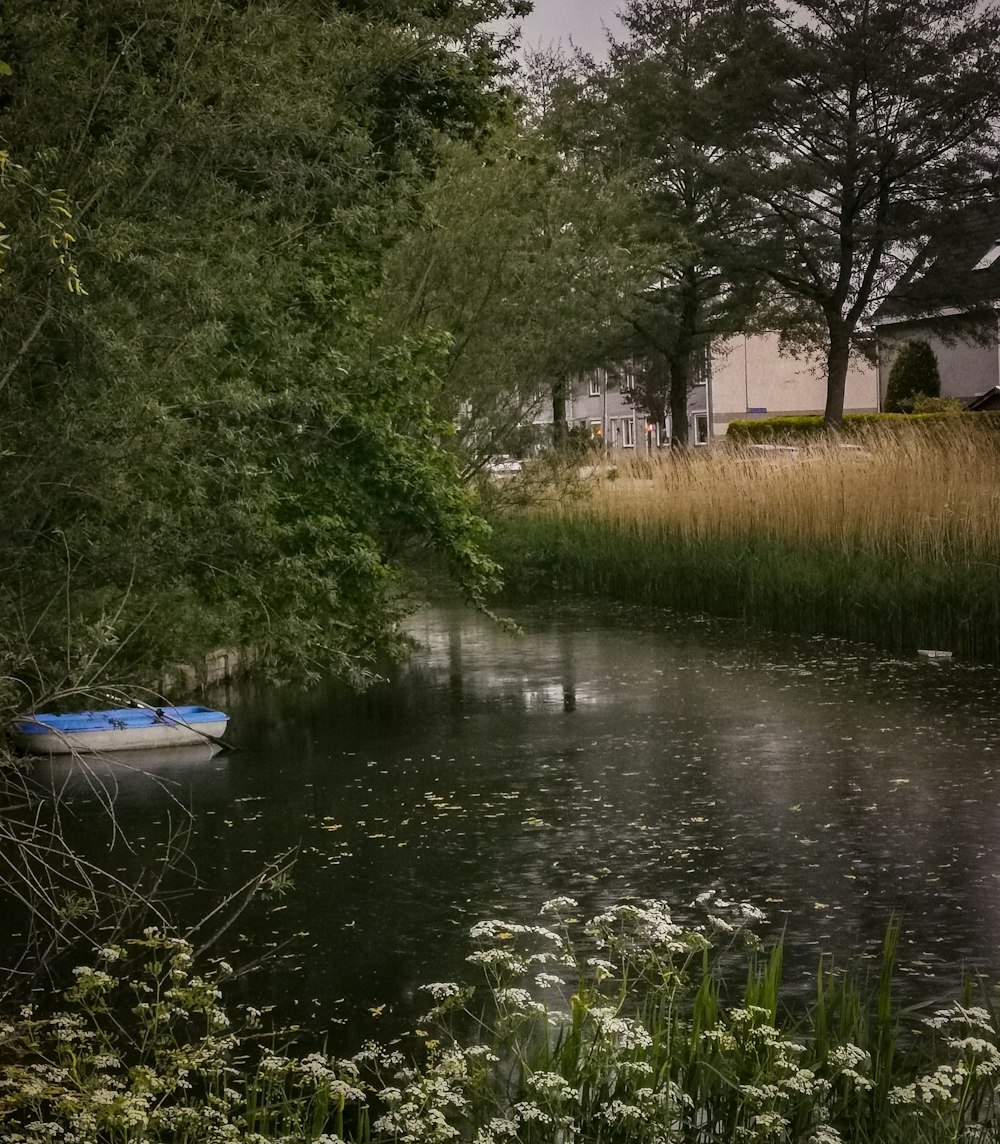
(701, 364)
(595, 384)
(596, 431)
(628, 381)
(628, 433)
(701, 428)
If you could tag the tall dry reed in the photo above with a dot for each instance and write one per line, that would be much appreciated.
(893, 539)
(920, 497)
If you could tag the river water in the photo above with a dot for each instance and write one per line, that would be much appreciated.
(601, 753)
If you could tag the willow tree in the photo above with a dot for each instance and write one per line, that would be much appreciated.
(520, 259)
(213, 445)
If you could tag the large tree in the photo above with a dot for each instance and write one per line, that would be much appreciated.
(214, 444)
(670, 105)
(520, 259)
(878, 120)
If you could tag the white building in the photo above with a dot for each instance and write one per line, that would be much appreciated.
(745, 378)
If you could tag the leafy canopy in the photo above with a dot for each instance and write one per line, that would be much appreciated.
(213, 445)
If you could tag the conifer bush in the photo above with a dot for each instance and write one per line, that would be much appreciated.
(914, 374)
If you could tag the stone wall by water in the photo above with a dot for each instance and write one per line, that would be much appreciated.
(218, 666)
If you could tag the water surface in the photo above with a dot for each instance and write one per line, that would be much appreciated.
(601, 754)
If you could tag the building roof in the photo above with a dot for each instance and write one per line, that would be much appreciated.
(988, 400)
(957, 271)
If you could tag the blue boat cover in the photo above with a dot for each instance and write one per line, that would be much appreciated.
(115, 719)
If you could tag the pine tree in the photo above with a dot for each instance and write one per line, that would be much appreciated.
(877, 119)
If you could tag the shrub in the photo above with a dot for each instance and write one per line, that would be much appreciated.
(926, 412)
(922, 404)
(914, 374)
(143, 1051)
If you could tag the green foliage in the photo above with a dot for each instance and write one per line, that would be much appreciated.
(42, 217)
(632, 1033)
(521, 258)
(145, 1050)
(938, 405)
(807, 588)
(870, 115)
(776, 429)
(627, 1028)
(914, 375)
(855, 425)
(218, 445)
(669, 109)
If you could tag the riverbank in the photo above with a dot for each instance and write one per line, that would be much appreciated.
(619, 1029)
(894, 541)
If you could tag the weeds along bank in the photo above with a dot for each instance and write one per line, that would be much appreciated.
(893, 539)
(617, 1029)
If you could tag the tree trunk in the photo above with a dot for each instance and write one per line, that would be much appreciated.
(680, 370)
(680, 358)
(559, 428)
(837, 360)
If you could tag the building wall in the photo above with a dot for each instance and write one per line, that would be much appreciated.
(751, 378)
(968, 365)
(598, 405)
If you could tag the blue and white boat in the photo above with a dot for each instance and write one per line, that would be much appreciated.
(118, 729)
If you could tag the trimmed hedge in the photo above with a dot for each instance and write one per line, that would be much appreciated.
(773, 429)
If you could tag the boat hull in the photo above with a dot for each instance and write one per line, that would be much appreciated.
(120, 729)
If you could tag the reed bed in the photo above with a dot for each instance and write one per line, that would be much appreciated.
(894, 539)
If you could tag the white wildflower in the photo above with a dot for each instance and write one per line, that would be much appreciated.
(500, 959)
(804, 1081)
(551, 1085)
(528, 1111)
(600, 963)
(618, 1112)
(849, 1056)
(973, 1017)
(519, 1000)
(496, 1128)
(548, 980)
(557, 905)
(442, 990)
(751, 913)
(770, 1123)
(825, 1134)
(625, 1032)
(761, 1093)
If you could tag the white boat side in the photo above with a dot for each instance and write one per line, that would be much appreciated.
(165, 734)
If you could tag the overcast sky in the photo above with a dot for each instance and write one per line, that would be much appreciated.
(582, 21)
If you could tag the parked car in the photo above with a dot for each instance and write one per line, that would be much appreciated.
(503, 466)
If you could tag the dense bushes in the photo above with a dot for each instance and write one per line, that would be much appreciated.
(775, 429)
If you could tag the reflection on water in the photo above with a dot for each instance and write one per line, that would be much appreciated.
(634, 754)
(116, 771)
